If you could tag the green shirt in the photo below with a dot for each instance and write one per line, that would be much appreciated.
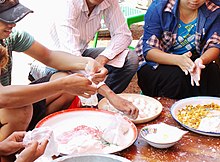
(18, 41)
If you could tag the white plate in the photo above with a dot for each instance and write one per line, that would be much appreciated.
(66, 120)
(102, 105)
(194, 101)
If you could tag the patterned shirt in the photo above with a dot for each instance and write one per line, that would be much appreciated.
(73, 28)
(161, 26)
(185, 38)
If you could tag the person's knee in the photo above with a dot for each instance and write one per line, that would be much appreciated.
(58, 75)
(15, 119)
(62, 102)
(133, 58)
(21, 115)
(66, 99)
(131, 63)
(176, 78)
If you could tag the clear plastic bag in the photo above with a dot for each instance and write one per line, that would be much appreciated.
(40, 134)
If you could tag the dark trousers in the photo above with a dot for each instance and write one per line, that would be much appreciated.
(118, 78)
(170, 81)
(39, 108)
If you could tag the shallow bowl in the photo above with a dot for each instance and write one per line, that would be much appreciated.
(93, 158)
(161, 135)
(161, 145)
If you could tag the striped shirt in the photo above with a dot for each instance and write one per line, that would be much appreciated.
(73, 28)
(19, 42)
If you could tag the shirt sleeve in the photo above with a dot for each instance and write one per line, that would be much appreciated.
(21, 40)
(120, 34)
(213, 35)
(152, 29)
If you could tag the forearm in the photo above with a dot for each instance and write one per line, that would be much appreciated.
(22, 95)
(120, 42)
(65, 61)
(105, 91)
(210, 55)
(56, 59)
(116, 47)
(161, 57)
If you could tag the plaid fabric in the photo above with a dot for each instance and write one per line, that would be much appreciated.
(139, 52)
(215, 39)
(168, 37)
(170, 5)
(211, 6)
(139, 47)
(197, 41)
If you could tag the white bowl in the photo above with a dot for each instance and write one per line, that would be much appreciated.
(93, 158)
(161, 135)
(160, 145)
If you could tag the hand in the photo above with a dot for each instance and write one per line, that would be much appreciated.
(185, 63)
(196, 73)
(12, 144)
(96, 71)
(78, 84)
(124, 106)
(102, 60)
(32, 152)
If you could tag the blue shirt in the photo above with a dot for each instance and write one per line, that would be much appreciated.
(161, 26)
(185, 38)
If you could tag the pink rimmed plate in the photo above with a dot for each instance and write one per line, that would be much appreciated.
(67, 120)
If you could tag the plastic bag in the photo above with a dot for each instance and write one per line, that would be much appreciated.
(40, 134)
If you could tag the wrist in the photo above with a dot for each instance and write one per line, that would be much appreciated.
(105, 91)
(100, 84)
(177, 60)
(102, 60)
(59, 85)
(200, 60)
(110, 94)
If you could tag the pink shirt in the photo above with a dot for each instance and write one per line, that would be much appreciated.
(73, 29)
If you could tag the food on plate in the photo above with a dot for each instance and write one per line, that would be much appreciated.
(147, 108)
(115, 132)
(65, 137)
(80, 139)
(193, 115)
(88, 139)
(211, 122)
